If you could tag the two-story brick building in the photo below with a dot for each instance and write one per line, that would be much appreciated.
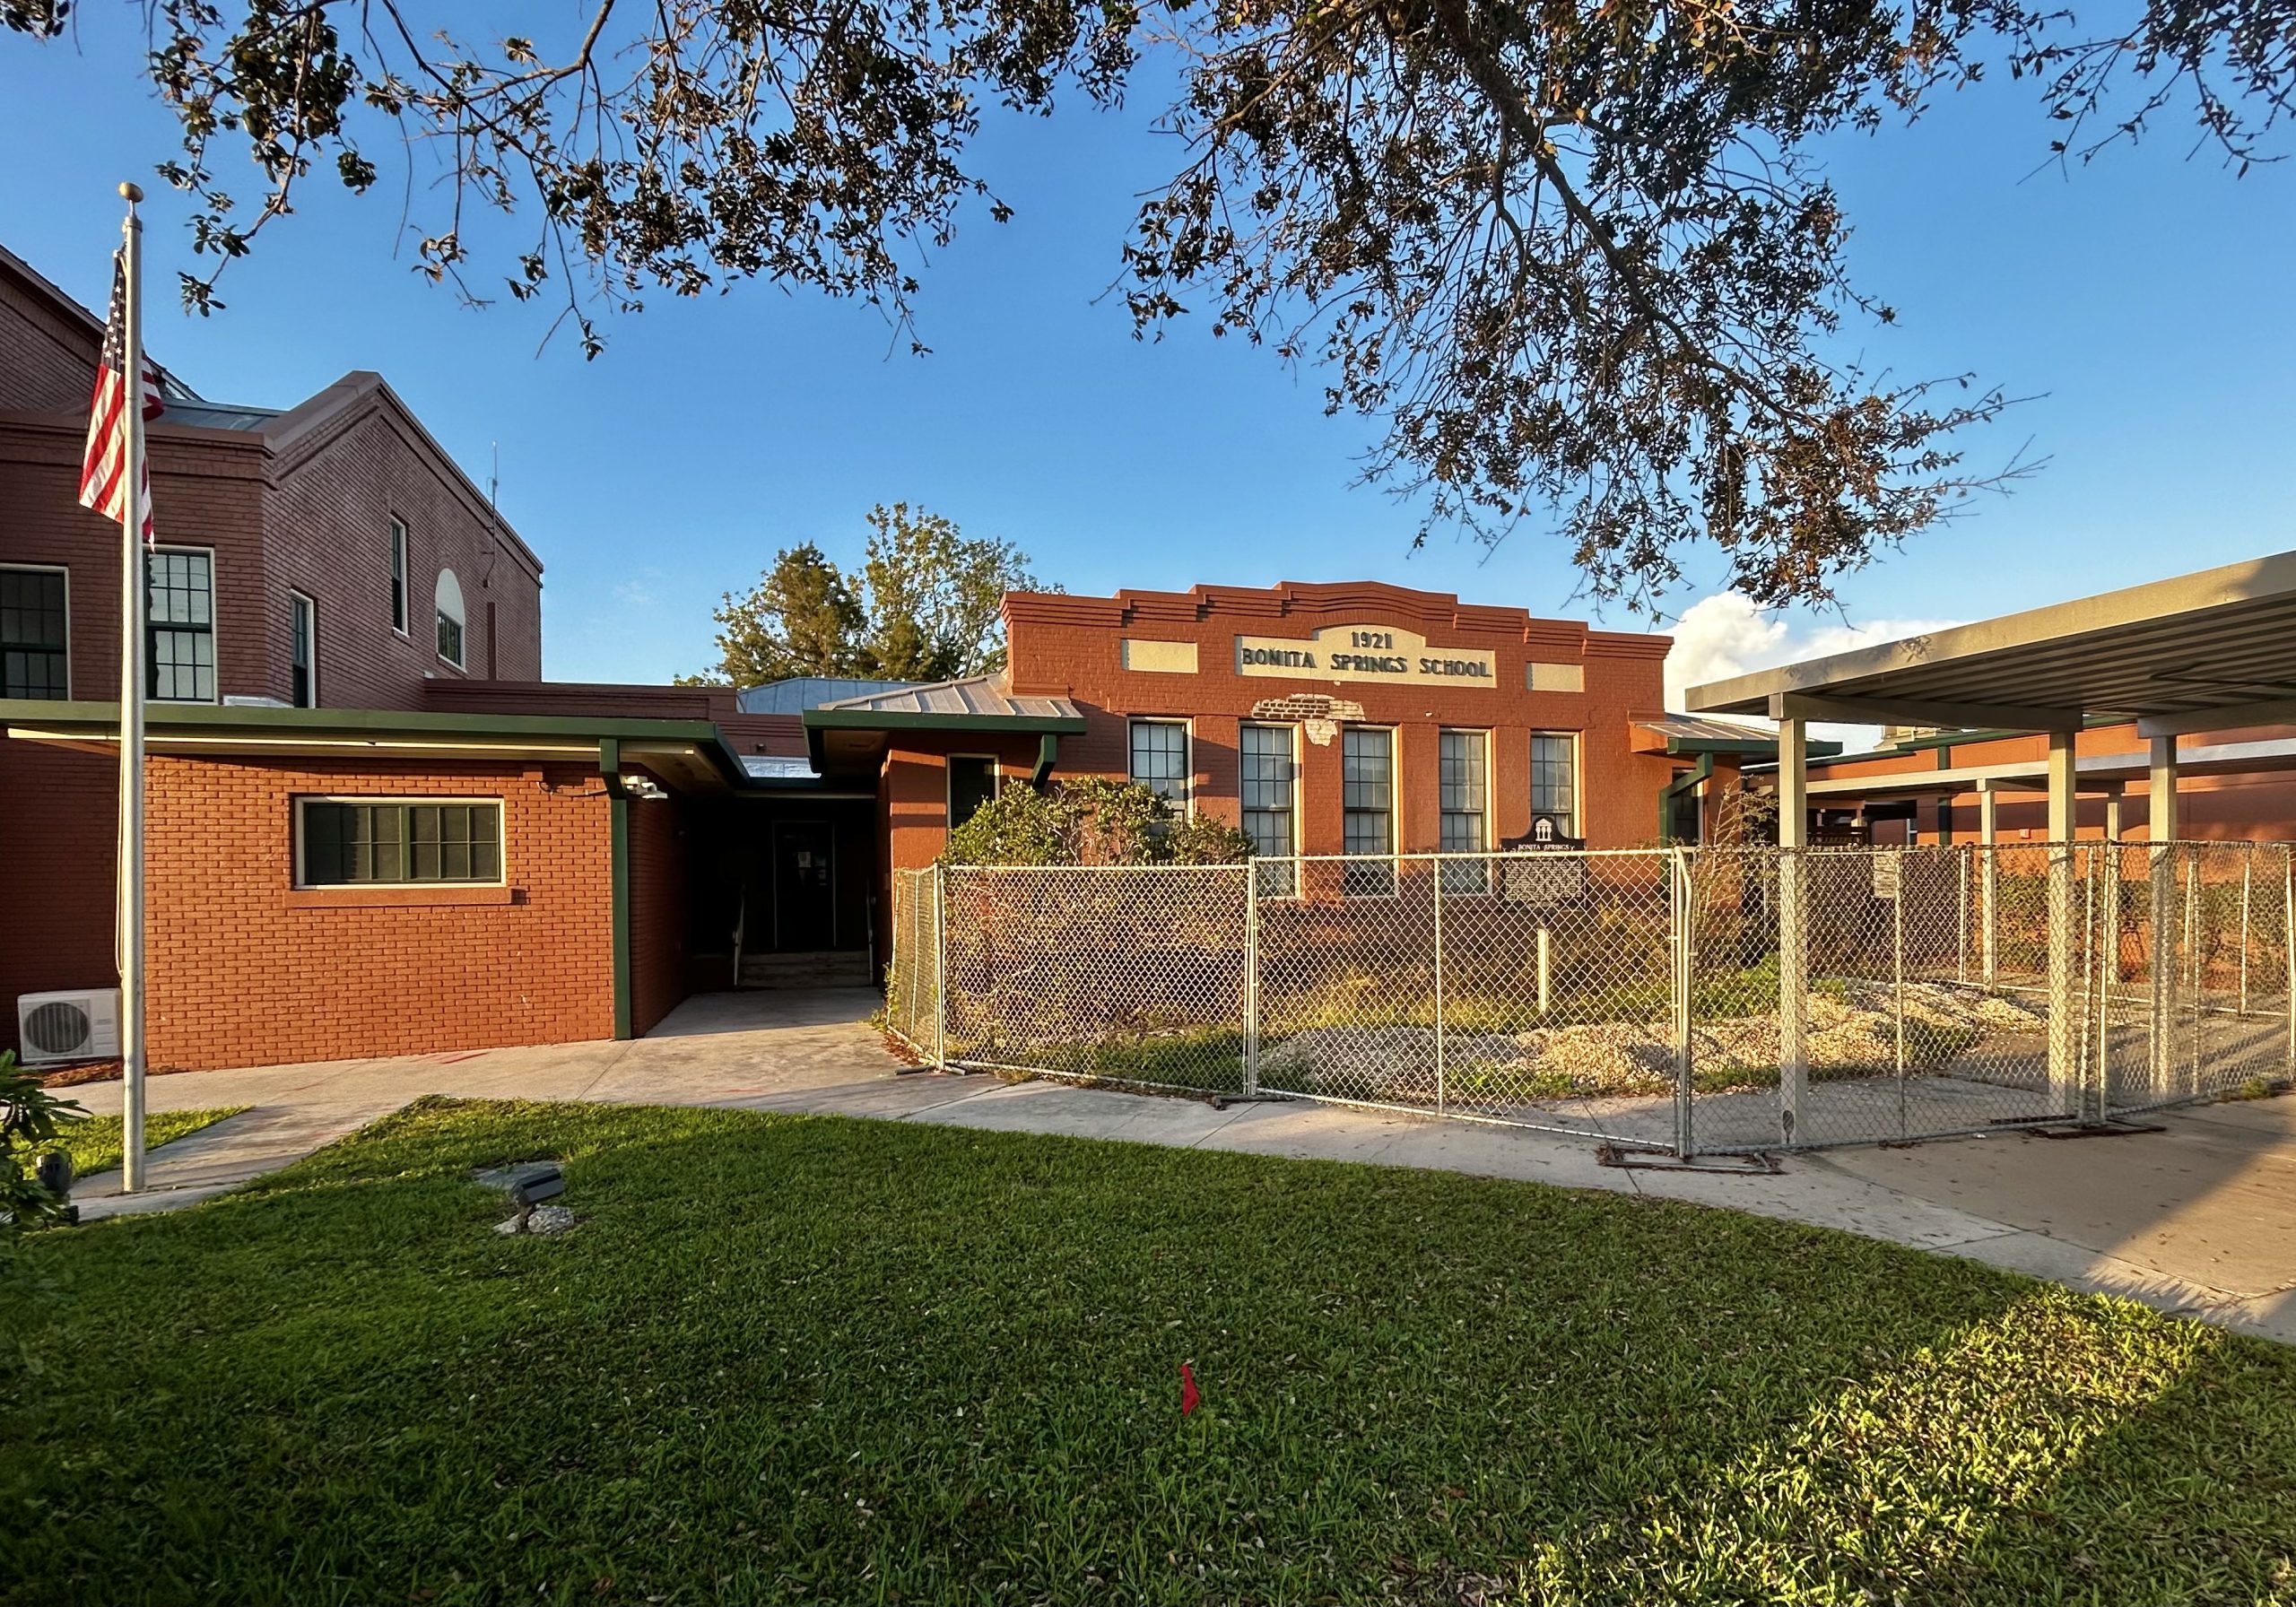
(326, 555)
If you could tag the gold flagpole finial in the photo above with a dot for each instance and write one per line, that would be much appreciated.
(131, 193)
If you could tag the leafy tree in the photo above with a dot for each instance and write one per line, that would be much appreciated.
(1091, 819)
(802, 617)
(935, 599)
(1580, 259)
(928, 606)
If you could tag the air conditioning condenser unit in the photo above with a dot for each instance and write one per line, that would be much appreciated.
(82, 1024)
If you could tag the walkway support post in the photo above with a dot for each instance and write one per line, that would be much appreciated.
(1792, 937)
(2165, 827)
(2065, 1070)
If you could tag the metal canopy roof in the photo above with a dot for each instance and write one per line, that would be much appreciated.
(981, 699)
(2210, 651)
(1691, 733)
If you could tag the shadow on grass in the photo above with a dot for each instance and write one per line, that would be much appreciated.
(806, 1357)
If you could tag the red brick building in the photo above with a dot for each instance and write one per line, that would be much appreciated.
(328, 554)
(373, 829)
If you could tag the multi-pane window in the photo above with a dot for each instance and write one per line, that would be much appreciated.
(302, 651)
(355, 842)
(1160, 759)
(1270, 785)
(398, 576)
(973, 782)
(1554, 784)
(180, 630)
(1465, 795)
(35, 633)
(1366, 765)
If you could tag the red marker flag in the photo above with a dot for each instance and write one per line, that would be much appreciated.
(1190, 1394)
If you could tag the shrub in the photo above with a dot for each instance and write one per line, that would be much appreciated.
(30, 1118)
(1091, 819)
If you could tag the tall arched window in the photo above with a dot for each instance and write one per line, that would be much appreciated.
(450, 618)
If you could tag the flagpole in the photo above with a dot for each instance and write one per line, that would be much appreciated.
(132, 585)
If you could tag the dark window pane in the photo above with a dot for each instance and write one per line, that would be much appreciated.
(33, 634)
(973, 782)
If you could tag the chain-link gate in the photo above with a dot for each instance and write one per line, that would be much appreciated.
(1695, 1000)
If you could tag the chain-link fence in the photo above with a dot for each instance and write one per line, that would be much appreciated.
(1696, 1000)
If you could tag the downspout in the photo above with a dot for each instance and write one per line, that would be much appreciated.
(618, 815)
(1048, 755)
(1690, 779)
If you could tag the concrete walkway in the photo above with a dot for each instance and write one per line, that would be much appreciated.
(2198, 1219)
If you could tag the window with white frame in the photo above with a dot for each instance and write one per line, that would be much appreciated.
(398, 576)
(302, 651)
(1160, 759)
(1466, 792)
(1366, 778)
(449, 610)
(361, 842)
(35, 633)
(1270, 787)
(179, 626)
(1554, 783)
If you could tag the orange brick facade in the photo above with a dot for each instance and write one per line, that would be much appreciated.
(1076, 648)
(246, 970)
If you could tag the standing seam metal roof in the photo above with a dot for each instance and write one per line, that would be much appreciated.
(979, 697)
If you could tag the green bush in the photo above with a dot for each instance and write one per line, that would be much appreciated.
(31, 1118)
(1090, 821)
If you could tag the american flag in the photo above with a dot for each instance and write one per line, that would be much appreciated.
(106, 472)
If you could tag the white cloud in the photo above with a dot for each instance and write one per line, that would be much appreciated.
(1727, 634)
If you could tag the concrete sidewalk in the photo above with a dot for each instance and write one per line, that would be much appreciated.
(2199, 1218)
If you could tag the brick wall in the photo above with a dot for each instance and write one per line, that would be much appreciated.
(1073, 646)
(915, 787)
(330, 519)
(247, 970)
(58, 812)
(660, 836)
(206, 492)
(47, 355)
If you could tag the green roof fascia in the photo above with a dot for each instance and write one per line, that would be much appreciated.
(818, 720)
(1955, 739)
(102, 720)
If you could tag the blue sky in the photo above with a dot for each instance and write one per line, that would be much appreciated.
(2142, 304)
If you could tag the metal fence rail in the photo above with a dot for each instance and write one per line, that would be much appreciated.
(1693, 1000)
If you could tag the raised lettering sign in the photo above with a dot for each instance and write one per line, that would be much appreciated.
(1379, 653)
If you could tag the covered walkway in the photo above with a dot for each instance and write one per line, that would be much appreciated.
(2205, 653)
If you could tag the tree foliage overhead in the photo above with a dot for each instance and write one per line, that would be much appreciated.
(1578, 257)
(927, 605)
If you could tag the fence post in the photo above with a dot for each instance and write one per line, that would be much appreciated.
(1989, 888)
(2248, 868)
(1961, 917)
(1897, 953)
(2192, 964)
(2164, 967)
(1251, 980)
(1437, 866)
(2288, 945)
(940, 969)
(1684, 911)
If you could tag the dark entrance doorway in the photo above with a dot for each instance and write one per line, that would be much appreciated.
(805, 909)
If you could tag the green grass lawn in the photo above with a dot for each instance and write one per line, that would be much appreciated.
(811, 1360)
(93, 1142)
